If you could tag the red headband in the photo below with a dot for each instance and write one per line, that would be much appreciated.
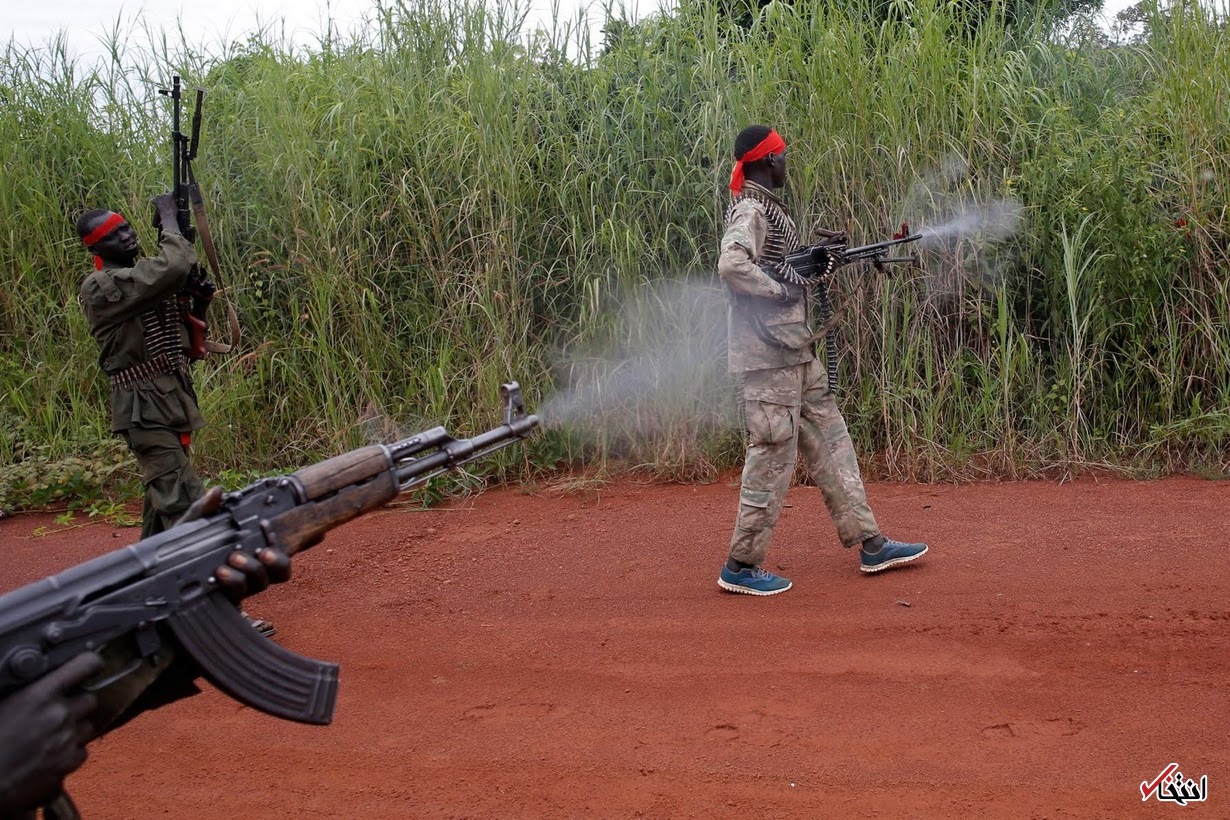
(772, 144)
(109, 224)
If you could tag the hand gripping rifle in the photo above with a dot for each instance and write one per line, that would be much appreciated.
(193, 223)
(167, 579)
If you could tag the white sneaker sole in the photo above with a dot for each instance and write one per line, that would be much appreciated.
(894, 562)
(729, 587)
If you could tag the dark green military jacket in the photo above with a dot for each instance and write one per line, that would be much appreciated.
(118, 303)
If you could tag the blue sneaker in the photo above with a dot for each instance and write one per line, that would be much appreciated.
(890, 554)
(752, 581)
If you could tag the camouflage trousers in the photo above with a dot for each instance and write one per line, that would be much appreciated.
(171, 484)
(790, 409)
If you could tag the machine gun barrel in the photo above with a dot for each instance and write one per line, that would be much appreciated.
(878, 249)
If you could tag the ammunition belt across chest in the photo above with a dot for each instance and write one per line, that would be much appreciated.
(781, 238)
(162, 364)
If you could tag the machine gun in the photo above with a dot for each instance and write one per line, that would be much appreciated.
(813, 265)
(193, 222)
(167, 580)
(821, 259)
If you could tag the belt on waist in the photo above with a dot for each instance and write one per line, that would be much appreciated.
(160, 365)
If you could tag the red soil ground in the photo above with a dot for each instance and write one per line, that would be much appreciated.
(570, 656)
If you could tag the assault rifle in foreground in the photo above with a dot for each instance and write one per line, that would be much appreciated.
(167, 579)
(193, 224)
(831, 252)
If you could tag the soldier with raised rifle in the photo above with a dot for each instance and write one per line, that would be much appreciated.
(134, 310)
(137, 312)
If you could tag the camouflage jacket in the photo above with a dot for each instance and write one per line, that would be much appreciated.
(122, 305)
(764, 332)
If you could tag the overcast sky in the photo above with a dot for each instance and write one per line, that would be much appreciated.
(218, 21)
(32, 22)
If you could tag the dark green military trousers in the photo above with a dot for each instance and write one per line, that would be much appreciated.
(171, 483)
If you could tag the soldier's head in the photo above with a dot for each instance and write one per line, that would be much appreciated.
(760, 155)
(109, 237)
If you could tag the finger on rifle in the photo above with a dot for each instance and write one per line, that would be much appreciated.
(82, 705)
(70, 751)
(233, 582)
(63, 740)
(203, 506)
(76, 759)
(255, 575)
(276, 563)
(73, 673)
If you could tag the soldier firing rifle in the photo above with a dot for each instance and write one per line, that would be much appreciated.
(789, 404)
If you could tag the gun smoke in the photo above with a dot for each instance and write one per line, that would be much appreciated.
(655, 378)
(965, 230)
(994, 221)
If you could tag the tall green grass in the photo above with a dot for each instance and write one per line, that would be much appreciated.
(414, 213)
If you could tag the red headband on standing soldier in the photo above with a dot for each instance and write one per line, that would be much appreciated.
(772, 144)
(108, 225)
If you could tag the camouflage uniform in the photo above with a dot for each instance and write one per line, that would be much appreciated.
(135, 317)
(788, 401)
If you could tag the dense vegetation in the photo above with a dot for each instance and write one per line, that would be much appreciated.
(412, 214)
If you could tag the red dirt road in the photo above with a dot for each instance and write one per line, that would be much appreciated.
(572, 657)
